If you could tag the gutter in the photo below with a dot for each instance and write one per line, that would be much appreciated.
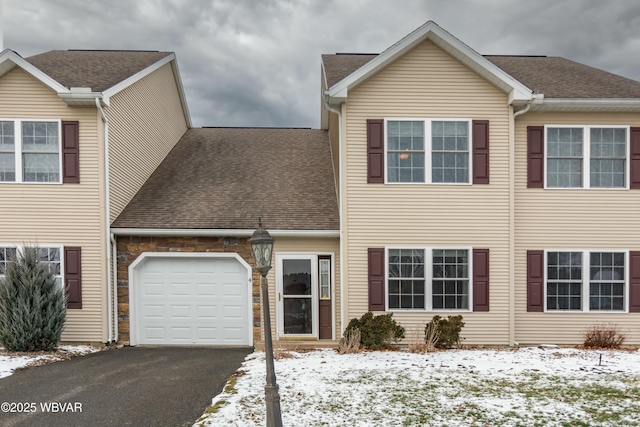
(112, 298)
(339, 191)
(212, 232)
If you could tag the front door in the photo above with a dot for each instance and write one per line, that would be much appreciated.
(304, 294)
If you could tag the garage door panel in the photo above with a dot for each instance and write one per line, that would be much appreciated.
(193, 301)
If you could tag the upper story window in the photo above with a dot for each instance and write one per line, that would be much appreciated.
(30, 151)
(445, 151)
(428, 151)
(586, 156)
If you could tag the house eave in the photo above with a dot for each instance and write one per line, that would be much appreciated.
(219, 232)
(586, 105)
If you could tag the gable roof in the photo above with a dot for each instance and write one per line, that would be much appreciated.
(79, 77)
(95, 69)
(547, 83)
(555, 77)
(224, 178)
(518, 93)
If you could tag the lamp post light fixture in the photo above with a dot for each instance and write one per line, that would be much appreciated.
(262, 247)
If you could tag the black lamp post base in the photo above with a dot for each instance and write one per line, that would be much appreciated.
(272, 398)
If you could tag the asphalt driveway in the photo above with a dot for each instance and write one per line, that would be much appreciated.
(132, 386)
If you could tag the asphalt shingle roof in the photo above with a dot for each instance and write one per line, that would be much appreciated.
(97, 69)
(554, 77)
(223, 178)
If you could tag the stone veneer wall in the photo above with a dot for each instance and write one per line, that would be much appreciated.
(130, 247)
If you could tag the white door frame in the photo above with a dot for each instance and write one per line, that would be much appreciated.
(133, 280)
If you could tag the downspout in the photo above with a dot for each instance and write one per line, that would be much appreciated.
(112, 294)
(512, 221)
(339, 191)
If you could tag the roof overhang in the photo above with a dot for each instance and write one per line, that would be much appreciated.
(217, 232)
(518, 93)
(613, 105)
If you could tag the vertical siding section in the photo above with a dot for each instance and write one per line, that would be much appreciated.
(427, 82)
(60, 214)
(145, 122)
(566, 219)
(305, 246)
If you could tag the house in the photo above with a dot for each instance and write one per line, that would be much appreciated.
(441, 182)
(81, 132)
(496, 187)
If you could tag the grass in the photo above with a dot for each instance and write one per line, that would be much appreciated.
(442, 396)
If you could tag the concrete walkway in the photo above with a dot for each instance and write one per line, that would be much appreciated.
(132, 386)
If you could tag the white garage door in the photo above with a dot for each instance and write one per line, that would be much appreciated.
(192, 301)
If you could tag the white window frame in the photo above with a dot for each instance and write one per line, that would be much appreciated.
(428, 278)
(586, 156)
(428, 150)
(19, 249)
(17, 124)
(586, 264)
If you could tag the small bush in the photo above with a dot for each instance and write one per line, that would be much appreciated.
(32, 305)
(376, 332)
(350, 342)
(443, 333)
(603, 335)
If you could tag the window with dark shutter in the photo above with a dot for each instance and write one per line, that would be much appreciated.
(375, 151)
(376, 279)
(634, 164)
(535, 156)
(70, 152)
(73, 276)
(634, 282)
(481, 280)
(481, 151)
(535, 280)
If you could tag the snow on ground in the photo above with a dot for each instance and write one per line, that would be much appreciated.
(508, 387)
(9, 362)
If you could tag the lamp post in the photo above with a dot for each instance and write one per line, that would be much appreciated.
(262, 246)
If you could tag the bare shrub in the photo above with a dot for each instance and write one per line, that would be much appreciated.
(603, 335)
(424, 343)
(284, 350)
(350, 342)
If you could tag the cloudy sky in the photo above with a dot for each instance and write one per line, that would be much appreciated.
(257, 62)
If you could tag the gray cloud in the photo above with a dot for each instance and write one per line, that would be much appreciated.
(257, 63)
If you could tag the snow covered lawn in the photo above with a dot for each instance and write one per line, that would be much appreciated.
(510, 387)
(9, 362)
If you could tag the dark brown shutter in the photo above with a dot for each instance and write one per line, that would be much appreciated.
(535, 156)
(70, 152)
(634, 163)
(481, 151)
(535, 280)
(376, 279)
(73, 276)
(375, 151)
(481, 280)
(634, 284)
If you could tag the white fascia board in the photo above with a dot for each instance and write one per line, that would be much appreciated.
(137, 76)
(9, 56)
(450, 44)
(183, 98)
(190, 232)
(590, 104)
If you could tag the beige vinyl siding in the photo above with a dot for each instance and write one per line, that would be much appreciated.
(428, 83)
(305, 246)
(569, 219)
(60, 214)
(145, 122)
